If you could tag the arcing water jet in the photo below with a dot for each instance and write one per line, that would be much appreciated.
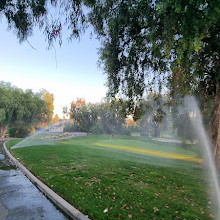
(204, 141)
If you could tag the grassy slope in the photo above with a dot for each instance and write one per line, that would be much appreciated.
(126, 184)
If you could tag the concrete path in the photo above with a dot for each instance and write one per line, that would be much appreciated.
(169, 140)
(20, 199)
(71, 135)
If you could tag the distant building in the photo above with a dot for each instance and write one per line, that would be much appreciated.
(56, 129)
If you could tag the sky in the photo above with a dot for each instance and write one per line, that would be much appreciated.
(69, 71)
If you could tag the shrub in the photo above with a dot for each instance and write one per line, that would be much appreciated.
(19, 132)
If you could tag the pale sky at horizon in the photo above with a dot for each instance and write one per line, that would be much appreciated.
(69, 73)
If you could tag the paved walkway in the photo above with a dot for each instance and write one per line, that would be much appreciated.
(6, 139)
(71, 135)
(20, 199)
(169, 140)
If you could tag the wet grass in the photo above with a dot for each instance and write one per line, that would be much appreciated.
(5, 164)
(7, 167)
(113, 183)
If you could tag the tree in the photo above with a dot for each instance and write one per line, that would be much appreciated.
(19, 108)
(84, 115)
(172, 42)
(55, 119)
(184, 126)
(111, 117)
(174, 39)
(151, 114)
(49, 99)
(107, 117)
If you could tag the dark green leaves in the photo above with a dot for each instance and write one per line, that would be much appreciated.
(19, 108)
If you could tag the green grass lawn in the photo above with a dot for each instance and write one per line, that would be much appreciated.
(111, 183)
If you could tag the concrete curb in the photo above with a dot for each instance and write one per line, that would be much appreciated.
(56, 199)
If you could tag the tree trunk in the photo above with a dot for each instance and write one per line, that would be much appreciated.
(214, 124)
(3, 130)
(156, 130)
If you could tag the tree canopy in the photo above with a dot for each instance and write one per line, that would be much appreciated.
(176, 42)
(48, 15)
(49, 99)
(105, 117)
(19, 108)
(143, 41)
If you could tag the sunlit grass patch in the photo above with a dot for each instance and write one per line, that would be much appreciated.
(142, 143)
(152, 152)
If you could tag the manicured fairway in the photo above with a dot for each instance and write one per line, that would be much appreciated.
(123, 177)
